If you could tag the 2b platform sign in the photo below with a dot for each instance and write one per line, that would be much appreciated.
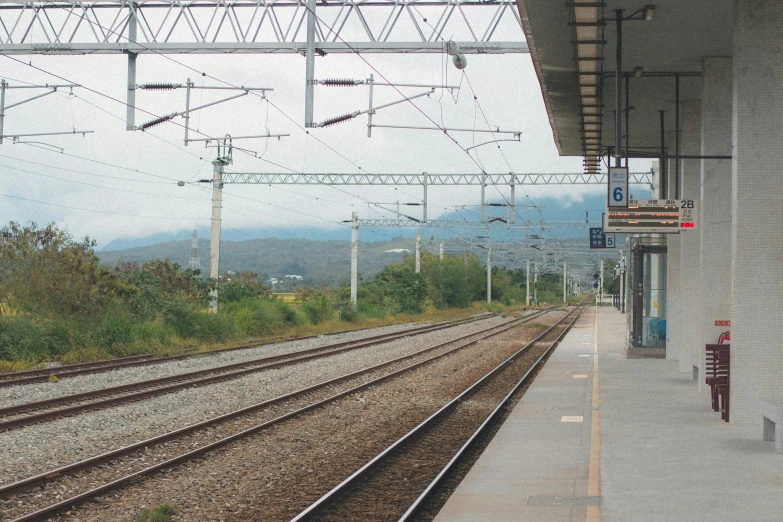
(618, 187)
(668, 216)
(600, 240)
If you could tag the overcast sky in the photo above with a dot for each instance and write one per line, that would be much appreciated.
(134, 191)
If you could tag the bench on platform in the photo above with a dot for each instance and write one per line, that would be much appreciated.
(716, 371)
(772, 412)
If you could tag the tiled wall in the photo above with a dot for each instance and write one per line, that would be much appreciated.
(757, 208)
(715, 209)
(690, 279)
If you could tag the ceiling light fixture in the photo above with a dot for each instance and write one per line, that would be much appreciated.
(637, 71)
(649, 12)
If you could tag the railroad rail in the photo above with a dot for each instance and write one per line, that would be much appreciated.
(380, 477)
(100, 463)
(17, 416)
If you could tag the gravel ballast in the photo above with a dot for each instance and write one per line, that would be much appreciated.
(38, 448)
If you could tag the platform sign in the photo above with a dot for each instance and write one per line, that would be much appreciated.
(618, 187)
(597, 239)
(657, 216)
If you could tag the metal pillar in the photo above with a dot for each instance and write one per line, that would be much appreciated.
(483, 193)
(627, 117)
(663, 166)
(440, 255)
(527, 285)
(130, 119)
(618, 79)
(677, 181)
(214, 242)
(418, 251)
(426, 182)
(601, 282)
(3, 85)
(565, 268)
(354, 256)
(310, 63)
(371, 81)
(513, 216)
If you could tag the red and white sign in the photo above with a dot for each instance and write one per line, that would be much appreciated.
(722, 323)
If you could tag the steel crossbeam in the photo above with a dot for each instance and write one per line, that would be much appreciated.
(465, 223)
(639, 178)
(254, 26)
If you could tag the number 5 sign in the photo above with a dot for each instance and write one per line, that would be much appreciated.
(618, 187)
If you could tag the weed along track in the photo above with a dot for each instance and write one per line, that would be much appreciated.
(57, 490)
(34, 412)
(73, 370)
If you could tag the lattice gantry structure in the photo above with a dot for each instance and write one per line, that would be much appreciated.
(254, 26)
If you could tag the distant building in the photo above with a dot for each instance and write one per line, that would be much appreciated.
(294, 277)
(398, 250)
(272, 281)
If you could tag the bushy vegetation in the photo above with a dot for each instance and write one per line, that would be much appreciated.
(58, 302)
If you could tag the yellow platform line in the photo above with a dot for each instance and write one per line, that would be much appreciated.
(594, 469)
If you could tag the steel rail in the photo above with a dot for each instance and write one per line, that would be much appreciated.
(50, 510)
(311, 510)
(172, 383)
(419, 502)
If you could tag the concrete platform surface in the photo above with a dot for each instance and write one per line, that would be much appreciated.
(614, 439)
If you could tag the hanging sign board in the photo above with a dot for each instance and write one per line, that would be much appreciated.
(598, 239)
(618, 187)
(657, 216)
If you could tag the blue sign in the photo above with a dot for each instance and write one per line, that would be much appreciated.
(597, 238)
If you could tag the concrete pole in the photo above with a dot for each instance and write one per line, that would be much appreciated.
(130, 118)
(527, 285)
(354, 257)
(601, 282)
(214, 241)
(418, 252)
(489, 265)
(535, 287)
(483, 193)
(310, 63)
(440, 254)
(565, 283)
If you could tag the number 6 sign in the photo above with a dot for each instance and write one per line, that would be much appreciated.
(618, 187)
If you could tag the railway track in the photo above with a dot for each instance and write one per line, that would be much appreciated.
(396, 483)
(217, 432)
(26, 414)
(74, 370)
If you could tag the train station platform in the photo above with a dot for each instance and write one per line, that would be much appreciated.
(602, 437)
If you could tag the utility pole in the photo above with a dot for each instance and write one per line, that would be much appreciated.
(535, 287)
(214, 242)
(527, 285)
(440, 255)
(565, 268)
(310, 63)
(195, 263)
(489, 265)
(418, 251)
(354, 257)
(601, 282)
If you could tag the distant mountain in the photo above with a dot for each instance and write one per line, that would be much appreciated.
(316, 261)
(552, 209)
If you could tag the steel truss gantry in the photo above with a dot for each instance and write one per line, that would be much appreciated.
(254, 26)
(463, 223)
(637, 178)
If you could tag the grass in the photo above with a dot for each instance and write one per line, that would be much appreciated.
(161, 513)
